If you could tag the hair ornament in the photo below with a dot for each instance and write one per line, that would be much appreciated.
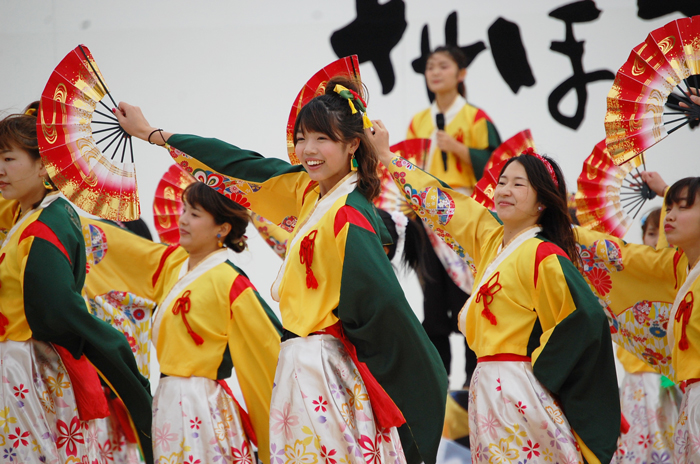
(531, 151)
(30, 112)
(353, 99)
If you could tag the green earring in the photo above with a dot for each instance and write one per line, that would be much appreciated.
(47, 185)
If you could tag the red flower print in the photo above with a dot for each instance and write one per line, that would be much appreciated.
(19, 438)
(321, 404)
(241, 456)
(498, 386)
(521, 407)
(240, 199)
(192, 460)
(372, 455)
(21, 391)
(194, 424)
(106, 451)
(328, 455)
(531, 449)
(600, 280)
(69, 436)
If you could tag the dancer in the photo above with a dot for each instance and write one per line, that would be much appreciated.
(649, 401)
(462, 141)
(354, 362)
(49, 387)
(210, 318)
(545, 387)
(657, 322)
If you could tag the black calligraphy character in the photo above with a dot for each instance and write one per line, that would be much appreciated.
(577, 12)
(470, 51)
(509, 54)
(651, 9)
(372, 35)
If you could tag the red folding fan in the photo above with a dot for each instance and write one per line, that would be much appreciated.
(83, 147)
(348, 66)
(609, 197)
(167, 203)
(390, 198)
(659, 72)
(510, 148)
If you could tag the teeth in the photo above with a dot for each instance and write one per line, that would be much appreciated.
(314, 162)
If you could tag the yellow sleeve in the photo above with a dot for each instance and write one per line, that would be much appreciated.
(456, 218)
(8, 211)
(254, 344)
(275, 236)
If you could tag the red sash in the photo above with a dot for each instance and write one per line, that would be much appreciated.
(504, 357)
(89, 396)
(245, 418)
(386, 413)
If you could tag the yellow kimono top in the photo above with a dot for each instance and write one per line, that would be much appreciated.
(649, 295)
(236, 326)
(42, 271)
(529, 300)
(335, 269)
(469, 125)
(8, 214)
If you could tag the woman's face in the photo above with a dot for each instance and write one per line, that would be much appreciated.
(21, 176)
(651, 235)
(515, 199)
(682, 223)
(326, 161)
(442, 73)
(198, 229)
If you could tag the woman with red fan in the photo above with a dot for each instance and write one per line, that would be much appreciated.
(545, 387)
(657, 322)
(46, 334)
(343, 387)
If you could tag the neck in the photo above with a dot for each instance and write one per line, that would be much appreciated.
(693, 254)
(198, 256)
(326, 185)
(445, 100)
(510, 232)
(28, 201)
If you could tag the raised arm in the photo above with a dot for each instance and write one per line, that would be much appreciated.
(271, 187)
(456, 218)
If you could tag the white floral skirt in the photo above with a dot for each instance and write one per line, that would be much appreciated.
(687, 435)
(513, 418)
(652, 413)
(195, 420)
(107, 444)
(38, 413)
(320, 411)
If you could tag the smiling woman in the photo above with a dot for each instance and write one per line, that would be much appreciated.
(545, 363)
(348, 326)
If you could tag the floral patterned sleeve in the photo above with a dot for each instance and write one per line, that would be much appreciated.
(457, 219)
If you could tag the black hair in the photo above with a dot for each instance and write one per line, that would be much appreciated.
(458, 56)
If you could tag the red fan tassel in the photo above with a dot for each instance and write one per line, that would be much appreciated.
(306, 257)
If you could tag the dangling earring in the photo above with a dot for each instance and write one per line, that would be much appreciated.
(47, 184)
(539, 208)
(353, 163)
(218, 240)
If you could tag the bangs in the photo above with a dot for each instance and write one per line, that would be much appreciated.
(316, 117)
(675, 193)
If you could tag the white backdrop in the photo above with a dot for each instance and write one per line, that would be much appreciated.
(231, 69)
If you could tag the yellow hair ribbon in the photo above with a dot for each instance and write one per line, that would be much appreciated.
(30, 112)
(366, 123)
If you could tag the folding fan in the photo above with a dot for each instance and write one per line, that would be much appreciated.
(348, 66)
(391, 199)
(666, 63)
(510, 148)
(83, 147)
(609, 197)
(167, 204)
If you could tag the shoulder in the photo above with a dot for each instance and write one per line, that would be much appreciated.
(421, 115)
(474, 113)
(550, 256)
(58, 224)
(239, 281)
(358, 211)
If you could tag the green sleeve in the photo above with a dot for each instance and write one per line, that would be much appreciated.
(479, 157)
(388, 337)
(56, 313)
(271, 187)
(577, 364)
